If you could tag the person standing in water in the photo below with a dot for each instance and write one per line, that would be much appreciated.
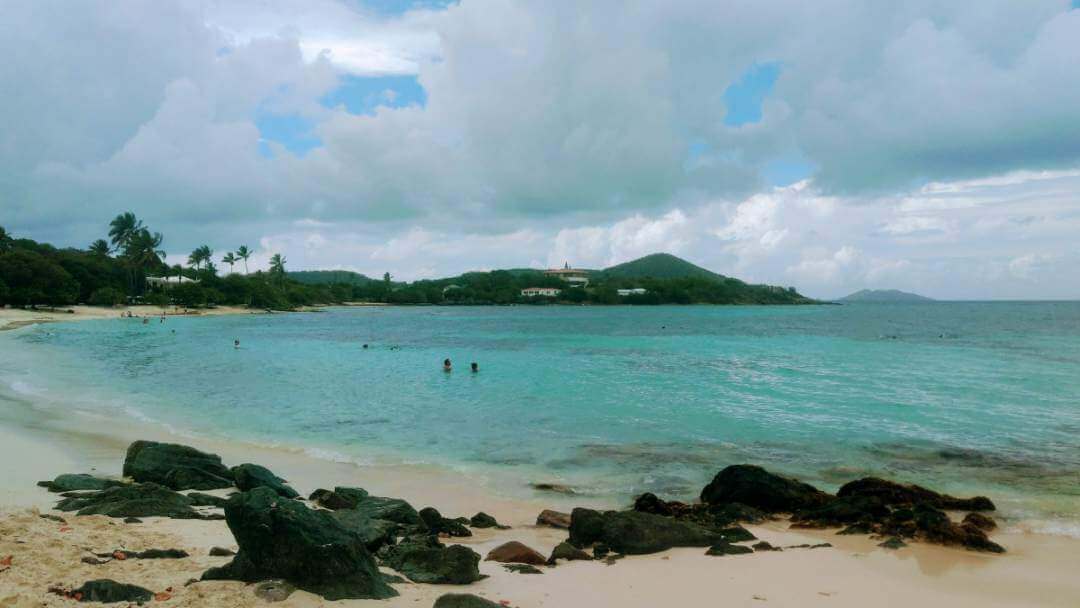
(236, 343)
(446, 366)
(474, 366)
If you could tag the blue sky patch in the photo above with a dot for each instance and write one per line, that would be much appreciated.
(293, 131)
(362, 94)
(744, 97)
(397, 7)
(787, 170)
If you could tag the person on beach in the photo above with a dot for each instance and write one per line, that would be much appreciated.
(446, 365)
(474, 366)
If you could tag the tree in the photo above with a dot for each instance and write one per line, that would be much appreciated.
(5, 240)
(35, 279)
(230, 259)
(200, 256)
(123, 228)
(242, 253)
(277, 266)
(100, 247)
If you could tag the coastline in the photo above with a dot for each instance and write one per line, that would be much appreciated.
(1037, 570)
(14, 318)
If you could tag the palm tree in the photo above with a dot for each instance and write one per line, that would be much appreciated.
(143, 250)
(123, 228)
(242, 253)
(100, 247)
(277, 266)
(5, 240)
(230, 259)
(194, 260)
(200, 256)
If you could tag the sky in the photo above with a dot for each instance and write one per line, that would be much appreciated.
(830, 146)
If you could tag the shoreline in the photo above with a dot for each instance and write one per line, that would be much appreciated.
(14, 318)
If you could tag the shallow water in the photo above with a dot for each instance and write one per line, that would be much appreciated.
(965, 397)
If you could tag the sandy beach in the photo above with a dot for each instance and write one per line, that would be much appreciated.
(14, 318)
(1038, 570)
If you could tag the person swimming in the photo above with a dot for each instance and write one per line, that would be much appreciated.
(474, 366)
(236, 343)
(446, 366)
(365, 346)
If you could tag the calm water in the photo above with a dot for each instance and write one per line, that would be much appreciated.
(967, 397)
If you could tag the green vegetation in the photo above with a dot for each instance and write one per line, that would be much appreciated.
(116, 271)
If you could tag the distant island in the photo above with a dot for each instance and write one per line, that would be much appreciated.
(884, 295)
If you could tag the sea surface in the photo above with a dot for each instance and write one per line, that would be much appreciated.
(964, 397)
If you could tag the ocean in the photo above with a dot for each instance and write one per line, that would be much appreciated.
(969, 398)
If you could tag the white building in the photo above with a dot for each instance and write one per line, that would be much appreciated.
(637, 291)
(168, 281)
(548, 292)
(576, 277)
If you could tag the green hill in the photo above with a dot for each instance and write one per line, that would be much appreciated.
(657, 266)
(326, 277)
(884, 295)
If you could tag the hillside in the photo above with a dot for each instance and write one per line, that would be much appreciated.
(884, 295)
(657, 266)
(327, 277)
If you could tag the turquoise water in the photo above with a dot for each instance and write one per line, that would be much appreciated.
(979, 397)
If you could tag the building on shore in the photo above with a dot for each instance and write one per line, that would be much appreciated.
(168, 281)
(576, 277)
(547, 292)
(636, 291)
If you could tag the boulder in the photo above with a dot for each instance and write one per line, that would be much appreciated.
(375, 533)
(728, 549)
(390, 509)
(558, 488)
(980, 521)
(424, 559)
(565, 550)
(765, 546)
(735, 534)
(934, 525)
(72, 482)
(553, 519)
(437, 524)
(634, 532)
(250, 476)
(134, 500)
(710, 516)
(483, 520)
(842, 511)
(897, 494)
(464, 600)
(755, 487)
(281, 538)
(109, 591)
(221, 552)
(176, 466)
(515, 552)
(522, 569)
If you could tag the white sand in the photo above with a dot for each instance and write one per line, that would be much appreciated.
(13, 318)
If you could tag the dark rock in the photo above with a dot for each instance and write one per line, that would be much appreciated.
(437, 524)
(132, 520)
(250, 476)
(894, 494)
(523, 569)
(735, 534)
(393, 579)
(198, 499)
(221, 552)
(148, 554)
(483, 520)
(935, 526)
(858, 528)
(635, 533)
(425, 560)
(651, 503)
(558, 488)
(728, 549)
(463, 600)
(514, 552)
(765, 546)
(390, 509)
(72, 482)
(553, 519)
(755, 487)
(93, 560)
(134, 500)
(175, 466)
(565, 550)
(980, 521)
(109, 592)
(841, 511)
(328, 499)
(51, 517)
(274, 590)
(893, 543)
(375, 533)
(281, 538)
(806, 546)
(600, 551)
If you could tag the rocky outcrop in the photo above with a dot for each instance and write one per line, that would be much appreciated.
(841, 512)
(134, 500)
(483, 520)
(375, 533)
(175, 466)
(568, 552)
(198, 499)
(437, 524)
(390, 509)
(897, 494)
(980, 521)
(728, 549)
(281, 538)
(514, 552)
(553, 519)
(250, 476)
(464, 600)
(934, 525)
(423, 559)
(755, 487)
(634, 532)
(73, 482)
